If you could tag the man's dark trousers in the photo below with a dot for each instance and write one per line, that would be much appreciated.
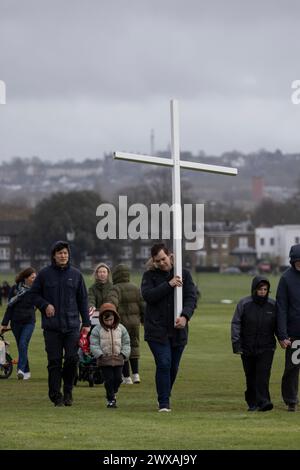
(61, 345)
(258, 370)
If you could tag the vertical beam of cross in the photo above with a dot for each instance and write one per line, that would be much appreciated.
(176, 202)
(176, 165)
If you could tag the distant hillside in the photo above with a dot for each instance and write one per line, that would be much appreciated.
(31, 179)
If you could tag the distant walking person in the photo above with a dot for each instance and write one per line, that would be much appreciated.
(253, 330)
(20, 312)
(110, 345)
(59, 292)
(288, 317)
(5, 290)
(165, 340)
(127, 297)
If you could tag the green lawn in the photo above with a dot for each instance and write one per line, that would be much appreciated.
(208, 409)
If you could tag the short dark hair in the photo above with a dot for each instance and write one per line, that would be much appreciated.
(157, 248)
(60, 246)
(24, 274)
(263, 284)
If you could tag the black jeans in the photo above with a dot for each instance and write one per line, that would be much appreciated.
(61, 346)
(134, 363)
(258, 370)
(112, 377)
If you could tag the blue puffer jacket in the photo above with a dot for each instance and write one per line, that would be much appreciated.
(64, 288)
(288, 299)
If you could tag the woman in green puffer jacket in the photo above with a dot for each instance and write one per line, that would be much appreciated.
(128, 300)
(102, 285)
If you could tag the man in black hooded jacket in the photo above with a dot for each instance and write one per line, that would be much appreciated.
(252, 334)
(60, 294)
(288, 317)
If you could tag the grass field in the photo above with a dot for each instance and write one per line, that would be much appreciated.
(208, 408)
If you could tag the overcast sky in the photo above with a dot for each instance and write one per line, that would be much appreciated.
(94, 76)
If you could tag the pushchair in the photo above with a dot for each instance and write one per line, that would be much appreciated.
(6, 361)
(88, 371)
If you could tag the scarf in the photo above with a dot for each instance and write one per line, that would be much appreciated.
(21, 290)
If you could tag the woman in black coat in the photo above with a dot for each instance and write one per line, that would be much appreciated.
(20, 313)
(253, 330)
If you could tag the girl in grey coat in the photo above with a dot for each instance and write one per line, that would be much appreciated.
(110, 345)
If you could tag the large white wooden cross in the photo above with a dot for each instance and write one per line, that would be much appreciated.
(176, 164)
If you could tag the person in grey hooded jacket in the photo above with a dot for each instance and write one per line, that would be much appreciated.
(288, 317)
(253, 330)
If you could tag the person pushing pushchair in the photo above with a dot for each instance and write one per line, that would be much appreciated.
(87, 367)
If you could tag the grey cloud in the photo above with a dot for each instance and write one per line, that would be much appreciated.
(70, 63)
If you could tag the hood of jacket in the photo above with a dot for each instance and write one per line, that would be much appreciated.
(109, 307)
(294, 254)
(150, 264)
(102, 265)
(255, 283)
(258, 280)
(121, 273)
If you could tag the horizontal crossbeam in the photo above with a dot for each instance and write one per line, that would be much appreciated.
(224, 170)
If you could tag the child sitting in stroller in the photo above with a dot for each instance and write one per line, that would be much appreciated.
(87, 367)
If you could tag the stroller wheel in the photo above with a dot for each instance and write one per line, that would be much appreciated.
(76, 379)
(98, 376)
(91, 379)
(7, 368)
(80, 372)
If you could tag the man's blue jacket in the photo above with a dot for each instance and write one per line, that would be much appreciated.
(65, 289)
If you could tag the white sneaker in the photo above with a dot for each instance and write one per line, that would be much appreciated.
(136, 378)
(20, 374)
(166, 410)
(127, 381)
(27, 375)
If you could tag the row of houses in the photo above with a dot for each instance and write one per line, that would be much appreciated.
(225, 245)
(246, 247)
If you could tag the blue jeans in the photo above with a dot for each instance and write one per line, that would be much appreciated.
(23, 334)
(167, 358)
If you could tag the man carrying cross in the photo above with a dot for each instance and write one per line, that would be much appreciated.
(176, 164)
(166, 340)
(171, 286)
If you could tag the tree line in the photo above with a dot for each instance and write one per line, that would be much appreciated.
(73, 215)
